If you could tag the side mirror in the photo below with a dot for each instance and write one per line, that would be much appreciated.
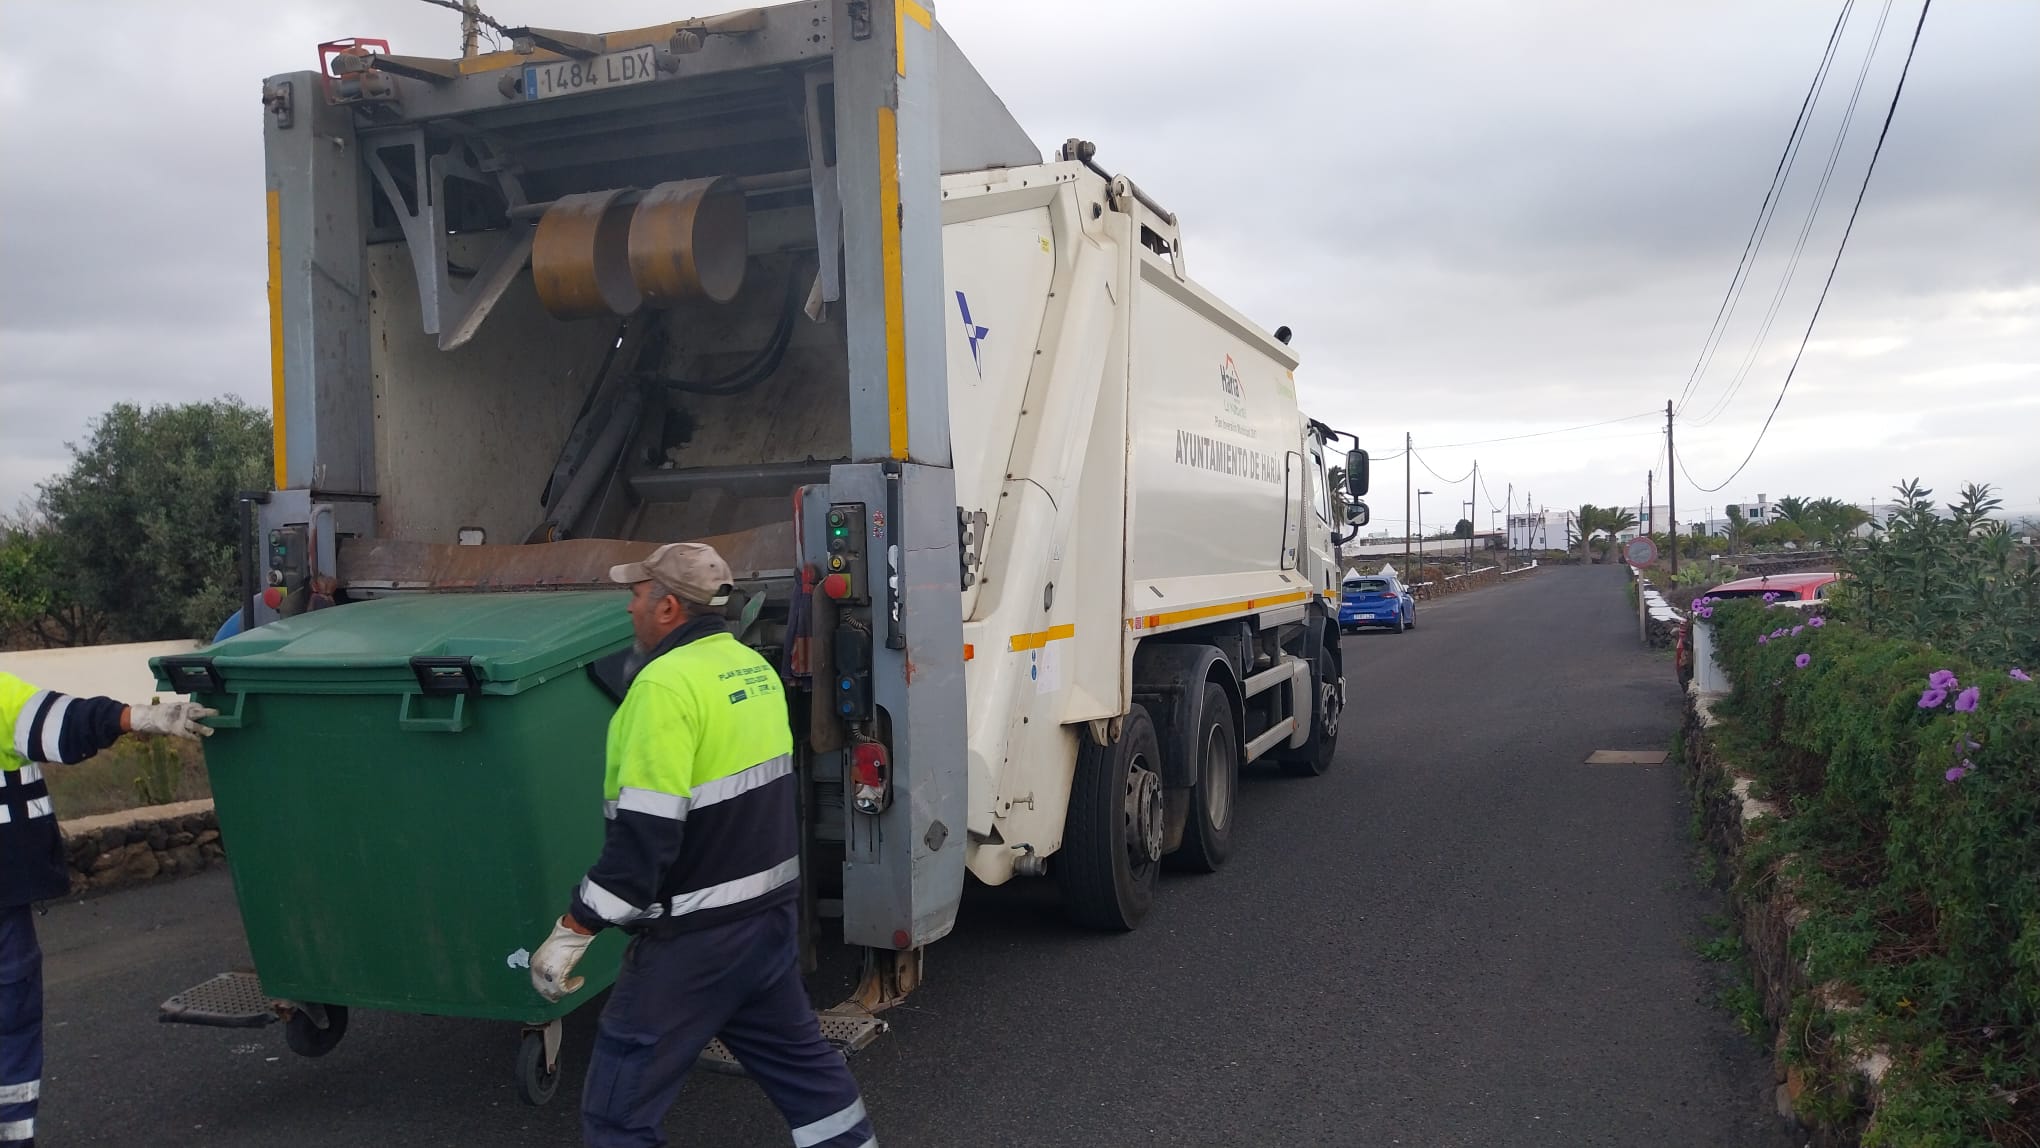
(1356, 474)
(1357, 513)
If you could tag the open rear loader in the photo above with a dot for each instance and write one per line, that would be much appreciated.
(1029, 522)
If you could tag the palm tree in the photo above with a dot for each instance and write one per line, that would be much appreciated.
(1797, 510)
(1590, 520)
(1585, 521)
(1834, 521)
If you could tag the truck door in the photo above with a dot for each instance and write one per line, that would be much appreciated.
(1318, 525)
(1293, 507)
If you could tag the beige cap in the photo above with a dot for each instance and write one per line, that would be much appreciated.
(692, 570)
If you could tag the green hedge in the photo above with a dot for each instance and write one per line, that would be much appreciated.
(1912, 832)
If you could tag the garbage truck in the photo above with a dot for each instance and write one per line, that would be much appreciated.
(1030, 523)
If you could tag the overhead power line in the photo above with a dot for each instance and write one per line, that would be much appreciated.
(1542, 433)
(480, 17)
(1889, 113)
(1765, 211)
(1436, 475)
(1805, 229)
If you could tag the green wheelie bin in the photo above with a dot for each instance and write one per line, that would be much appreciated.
(408, 790)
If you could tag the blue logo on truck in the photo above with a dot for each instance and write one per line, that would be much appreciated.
(972, 332)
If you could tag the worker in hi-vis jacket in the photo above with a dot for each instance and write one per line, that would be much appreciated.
(701, 864)
(38, 728)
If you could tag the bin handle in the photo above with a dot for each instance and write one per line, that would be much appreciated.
(236, 719)
(453, 723)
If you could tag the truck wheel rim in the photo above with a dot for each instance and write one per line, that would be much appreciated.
(1331, 700)
(1218, 770)
(1143, 815)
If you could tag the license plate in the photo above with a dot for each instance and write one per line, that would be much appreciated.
(568, 77)
(1367, 617)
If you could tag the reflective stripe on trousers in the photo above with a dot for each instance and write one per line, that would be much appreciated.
(739, 980)
(21, 1012)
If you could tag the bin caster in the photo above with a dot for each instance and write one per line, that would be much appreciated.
(538, 1064)
(314, 1029)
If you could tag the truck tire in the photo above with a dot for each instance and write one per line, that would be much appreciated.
(1207, 832)
(1112, 838)
(1328, 703)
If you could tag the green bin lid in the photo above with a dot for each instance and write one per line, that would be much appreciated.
(510, 642)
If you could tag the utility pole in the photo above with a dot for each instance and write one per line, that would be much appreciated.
(1420, 519)
(1672, 487)
(1472, 493)
(1649, 501)
(1408, 495)
(470, 29)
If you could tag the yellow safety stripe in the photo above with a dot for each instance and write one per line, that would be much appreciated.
(1042, 638)
(904, 10)
(889, 262)
(1221, 610)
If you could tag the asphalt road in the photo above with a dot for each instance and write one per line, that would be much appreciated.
(1460, 936)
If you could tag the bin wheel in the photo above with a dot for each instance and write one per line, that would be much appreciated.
(536, 1084)
(306, 1038)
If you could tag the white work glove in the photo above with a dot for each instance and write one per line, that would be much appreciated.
(555, 959)
(176, 719)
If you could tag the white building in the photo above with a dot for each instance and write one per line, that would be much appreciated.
(1762, 512)
(1652, 520)
(1540, 530)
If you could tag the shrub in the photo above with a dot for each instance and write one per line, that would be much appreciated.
(1913, 831)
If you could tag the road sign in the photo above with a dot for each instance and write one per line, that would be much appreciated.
(1639, 551)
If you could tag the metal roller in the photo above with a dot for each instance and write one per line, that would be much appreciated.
(689, 239)
(581, 256)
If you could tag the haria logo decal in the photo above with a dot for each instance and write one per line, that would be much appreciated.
(1228, 375)
(1235, 390)
(975, 333)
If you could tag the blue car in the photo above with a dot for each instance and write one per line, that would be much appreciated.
(1375, 600)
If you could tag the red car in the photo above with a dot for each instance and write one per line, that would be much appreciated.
(1806, 586)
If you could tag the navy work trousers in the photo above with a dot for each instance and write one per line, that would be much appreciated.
(740, 981)
(21, 1051)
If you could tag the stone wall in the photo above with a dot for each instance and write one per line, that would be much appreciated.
(134, 847)
(1459, 583)
(1768, 914)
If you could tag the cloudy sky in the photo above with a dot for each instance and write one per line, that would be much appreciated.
(1481, 219)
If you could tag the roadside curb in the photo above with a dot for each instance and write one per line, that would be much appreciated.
(139, 846)
(1768, 912)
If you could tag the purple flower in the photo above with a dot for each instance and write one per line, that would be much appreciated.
(1770, 596)
(1763, 639)
(1798, 630)
(1816, 621)
(2019, 675)
(1965, 702)
(1942, 679)
(1803, 661)
(1959, 772)
(1933, 698)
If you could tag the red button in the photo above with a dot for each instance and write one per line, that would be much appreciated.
(273, 597)
(836, 585)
